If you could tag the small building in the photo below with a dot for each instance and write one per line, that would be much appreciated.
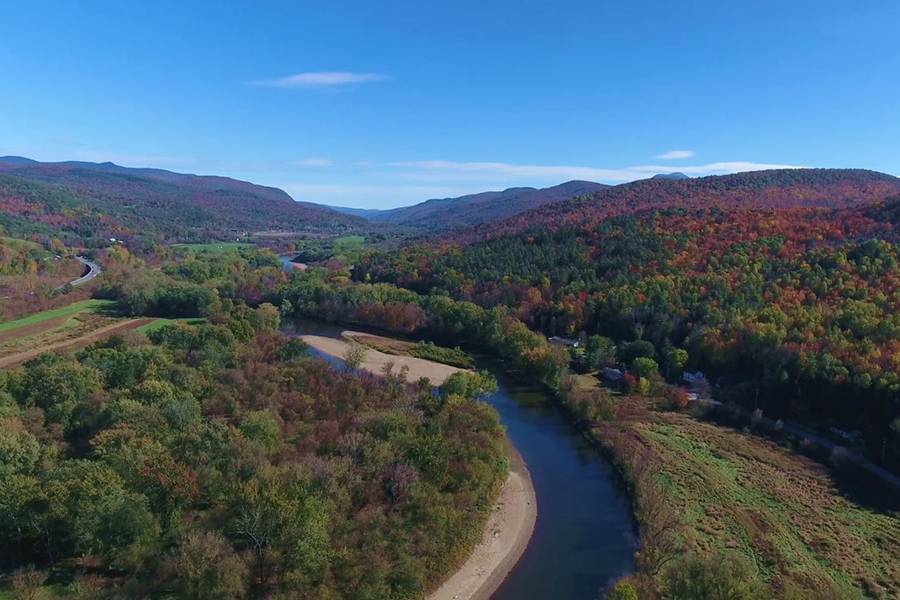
(693, 378)
(612, 375)
(561, 341)
(697, 383)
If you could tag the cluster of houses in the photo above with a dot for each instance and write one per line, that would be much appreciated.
(697, 384)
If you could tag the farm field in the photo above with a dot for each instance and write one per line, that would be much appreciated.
(69, 310)
(214, 248)
(782, 512)
(73, 326)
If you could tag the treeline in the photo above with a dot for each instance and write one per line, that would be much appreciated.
(187, 285)
(318, 295)
(219, 461)
(793, 311)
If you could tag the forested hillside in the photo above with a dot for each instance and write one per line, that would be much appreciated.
(784, 188)
(789, 306)
(90, 203)
(475, 209)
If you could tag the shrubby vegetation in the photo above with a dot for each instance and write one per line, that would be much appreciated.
(190, 286)
(450, 356)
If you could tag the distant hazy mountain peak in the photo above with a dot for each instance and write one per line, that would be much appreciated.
(477, 209)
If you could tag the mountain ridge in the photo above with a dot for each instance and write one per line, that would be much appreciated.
(475, 209)
(101, 200)
(823, 188)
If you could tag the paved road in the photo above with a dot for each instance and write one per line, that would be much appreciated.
(94, 270)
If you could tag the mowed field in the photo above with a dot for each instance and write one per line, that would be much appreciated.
(67, 328)
(215, 247)
(782, 511)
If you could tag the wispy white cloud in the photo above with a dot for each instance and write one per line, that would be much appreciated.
(315, 162)
(320, 79)
(676, 155)
(438, 170)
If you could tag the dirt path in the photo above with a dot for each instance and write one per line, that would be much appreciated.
(506, 536)
(34, 328)
(19, 358)
(375, 361)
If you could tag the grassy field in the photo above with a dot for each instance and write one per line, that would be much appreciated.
(160, 323)
(20, 243)
(781, 511)
(68, 310)
(214, 248)
(69, 327)
(349, 241)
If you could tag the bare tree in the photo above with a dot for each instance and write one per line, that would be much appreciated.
(354, 356)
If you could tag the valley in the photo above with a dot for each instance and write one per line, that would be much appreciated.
(576, 486)
(450, 301)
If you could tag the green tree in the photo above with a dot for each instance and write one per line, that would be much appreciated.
(725, 576)
(628, 351)
(208, 569)
(622, 591)
(57, 386)
(469, 385)
(644, 367)
(676, 359)
(262, 428)
(272, 514)
(600, 350)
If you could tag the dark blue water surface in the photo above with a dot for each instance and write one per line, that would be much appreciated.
(584, 536)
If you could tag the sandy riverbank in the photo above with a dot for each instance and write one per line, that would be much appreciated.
(375, 360)
(506, 536)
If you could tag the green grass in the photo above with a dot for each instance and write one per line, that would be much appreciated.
(214, 248)
(781, 511)
(70, 309)
(160, 323)
(21, 243)
(350, 240)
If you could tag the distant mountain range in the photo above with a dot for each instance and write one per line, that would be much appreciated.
(95, 201)
(786, 188)
(88, 203)
(475, 209)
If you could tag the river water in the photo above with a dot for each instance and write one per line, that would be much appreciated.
(585, 534)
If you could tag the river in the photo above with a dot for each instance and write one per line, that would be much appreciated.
(585, 534)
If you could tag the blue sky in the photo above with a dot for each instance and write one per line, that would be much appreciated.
(383, 104)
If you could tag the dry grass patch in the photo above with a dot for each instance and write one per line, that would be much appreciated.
(780, 510)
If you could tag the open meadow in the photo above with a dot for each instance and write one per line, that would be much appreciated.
(782, 513)
(66, 328)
